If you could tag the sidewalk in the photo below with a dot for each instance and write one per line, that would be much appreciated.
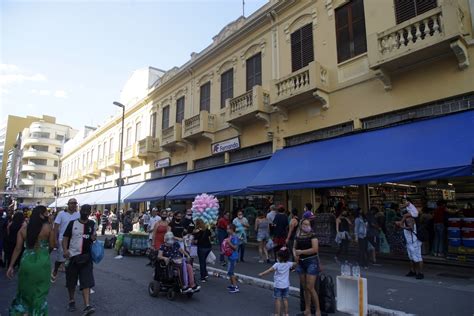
(444, 291)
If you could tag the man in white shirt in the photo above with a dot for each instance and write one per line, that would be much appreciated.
(151, 224)
(413, 243)
(60, 225)
(146, 221)
(271, 215)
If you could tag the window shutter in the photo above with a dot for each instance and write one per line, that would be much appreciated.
(358, 28)
(180, 110)
(408, 9)
(227, 86)
(254, 71)
(296, 62)
(307, 50)
(166, 117)
(205, 95)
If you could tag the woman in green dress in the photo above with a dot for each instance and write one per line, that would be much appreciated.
(35, 265)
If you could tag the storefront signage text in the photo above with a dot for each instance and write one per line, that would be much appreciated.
(226, 145)
(162, 163)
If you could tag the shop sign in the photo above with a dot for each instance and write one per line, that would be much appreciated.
(226, 145)
(162, 163)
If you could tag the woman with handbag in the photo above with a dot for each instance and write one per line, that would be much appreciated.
(202, 238)
(33, 275)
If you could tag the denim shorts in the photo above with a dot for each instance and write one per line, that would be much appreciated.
(281, 293)
(308, 266)
(231, 267)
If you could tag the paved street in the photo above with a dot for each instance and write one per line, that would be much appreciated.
(122, 290)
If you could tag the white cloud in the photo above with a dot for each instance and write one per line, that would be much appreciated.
(11, 74)
(8, 68)
(60, 94)
(44, 92)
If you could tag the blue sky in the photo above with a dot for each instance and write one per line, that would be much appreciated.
(70, 59)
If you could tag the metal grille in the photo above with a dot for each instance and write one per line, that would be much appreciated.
(209, 162)
(251, 152)
(320, 134)
(433, 109)
(181, 168)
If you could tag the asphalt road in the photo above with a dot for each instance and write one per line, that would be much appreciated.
(121, 289)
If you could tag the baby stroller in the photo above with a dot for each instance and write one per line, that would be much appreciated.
(166, 280)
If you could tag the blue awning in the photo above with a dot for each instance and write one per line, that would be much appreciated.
(110, 196)
(435, 148)
(228, 180)
(154, 190)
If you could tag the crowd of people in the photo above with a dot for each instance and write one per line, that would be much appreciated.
(283, 237)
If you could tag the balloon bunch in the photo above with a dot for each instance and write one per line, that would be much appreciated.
(206, 208)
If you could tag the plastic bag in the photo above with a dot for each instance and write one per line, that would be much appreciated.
(269, 245)
(119, 242)
(211, 258)
(326, 293)
(97, 251)
(384, 245)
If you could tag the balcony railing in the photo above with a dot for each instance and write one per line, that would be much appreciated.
(148, 146)
(199, 125)
(249, 104)
(300, 84)
(171, 135)
(421, 38)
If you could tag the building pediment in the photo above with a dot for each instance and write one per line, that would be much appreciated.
(229, 29)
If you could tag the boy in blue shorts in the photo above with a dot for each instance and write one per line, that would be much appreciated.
(230, 249)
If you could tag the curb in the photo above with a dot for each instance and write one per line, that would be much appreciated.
(373, 310)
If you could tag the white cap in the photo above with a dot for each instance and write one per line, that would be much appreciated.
(168, 209)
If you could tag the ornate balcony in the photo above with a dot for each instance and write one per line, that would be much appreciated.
(92, 170)
(171, 137)
(130, 153)
(148, 147)
(112, 162)
(248, 107)
(429, 35)
(300, 87)
(202, 125)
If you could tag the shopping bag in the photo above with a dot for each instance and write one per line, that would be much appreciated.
(211, 258)
(384, 245)
(97, 251)
(269, 244)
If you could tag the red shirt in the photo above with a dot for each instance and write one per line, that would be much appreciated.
(438, 217)
(222, 223)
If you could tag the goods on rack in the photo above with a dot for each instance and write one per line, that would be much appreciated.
(135, 243)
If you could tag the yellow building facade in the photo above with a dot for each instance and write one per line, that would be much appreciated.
(292, 72)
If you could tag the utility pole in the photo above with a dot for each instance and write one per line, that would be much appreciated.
(243, 8)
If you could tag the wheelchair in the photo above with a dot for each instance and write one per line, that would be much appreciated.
(166, 279)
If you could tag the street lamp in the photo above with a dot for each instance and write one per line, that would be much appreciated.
(121, 158)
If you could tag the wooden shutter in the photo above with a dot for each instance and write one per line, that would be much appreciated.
(227, 86)
(180, 110)
(205, 97)
(408, 9)
(152, 125)
(165, 122)
(359, 37)
(302, 51)
(254, 71)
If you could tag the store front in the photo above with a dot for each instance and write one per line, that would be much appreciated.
(426, 160)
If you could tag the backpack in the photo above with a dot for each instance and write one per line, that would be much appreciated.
(326, 294)
(421, 230)
(226, 249)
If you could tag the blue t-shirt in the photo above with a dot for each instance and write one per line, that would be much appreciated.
(234, 240)
(171, 252)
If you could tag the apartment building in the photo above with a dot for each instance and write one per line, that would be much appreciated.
(41, 147)
(292, 73)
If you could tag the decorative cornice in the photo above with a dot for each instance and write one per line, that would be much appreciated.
(252, 50)
(301, 21)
